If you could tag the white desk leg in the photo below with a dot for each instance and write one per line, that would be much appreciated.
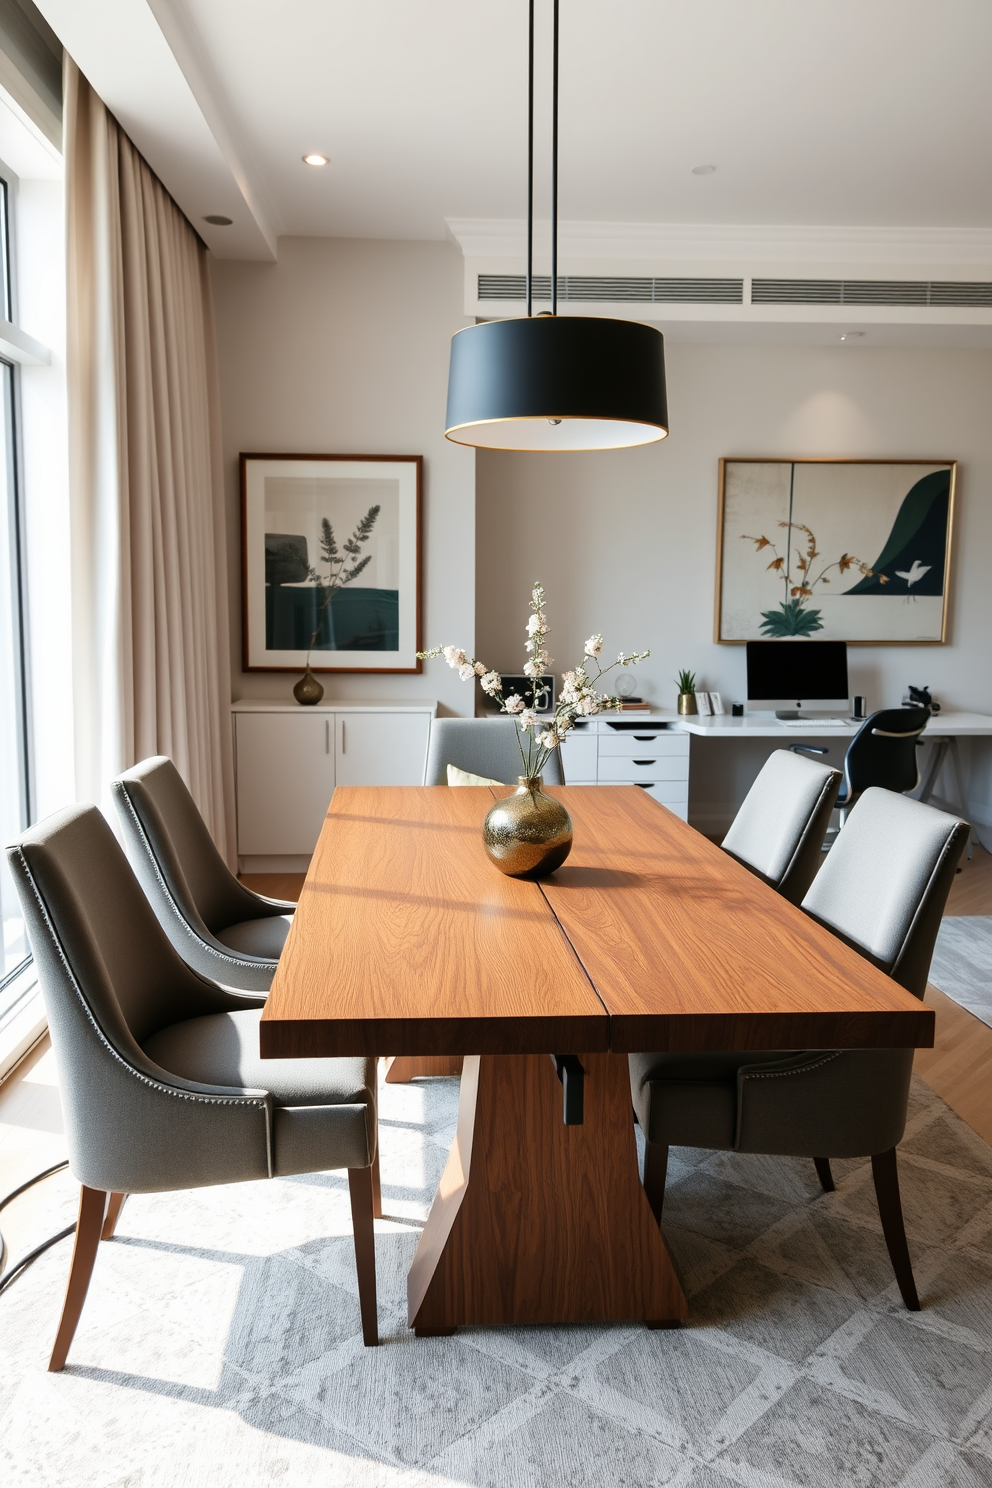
(934, 765)
(959, 783)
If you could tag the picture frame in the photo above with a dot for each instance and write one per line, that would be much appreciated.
(307, 521)
(837, 548)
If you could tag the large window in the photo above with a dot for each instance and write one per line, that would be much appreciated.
(15, 793)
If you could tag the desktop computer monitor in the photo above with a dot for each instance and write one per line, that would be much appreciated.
(787, 675)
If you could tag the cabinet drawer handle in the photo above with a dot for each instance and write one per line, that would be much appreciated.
(344, 745)
(645, 738)
(644, 784)
(327, 736)
(643, 762)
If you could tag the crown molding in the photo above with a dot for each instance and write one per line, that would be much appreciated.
(480, 237)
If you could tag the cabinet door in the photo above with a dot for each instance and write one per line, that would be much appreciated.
(381, 748)
(285, 766)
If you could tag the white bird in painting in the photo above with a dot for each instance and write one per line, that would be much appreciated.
(914, 574)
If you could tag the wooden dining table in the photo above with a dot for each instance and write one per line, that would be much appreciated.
(408, 941)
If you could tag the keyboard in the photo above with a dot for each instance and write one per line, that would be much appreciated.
(813, 723)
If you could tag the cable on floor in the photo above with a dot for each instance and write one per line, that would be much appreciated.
(32, 1255)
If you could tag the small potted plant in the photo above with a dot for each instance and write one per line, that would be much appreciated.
(686, 683)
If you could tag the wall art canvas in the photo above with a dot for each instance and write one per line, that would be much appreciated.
(845, 550)
(331, 555)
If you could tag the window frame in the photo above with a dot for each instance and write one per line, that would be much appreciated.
(13, 516)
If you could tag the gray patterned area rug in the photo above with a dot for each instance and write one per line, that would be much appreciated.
(220, 1344)
(962, 963)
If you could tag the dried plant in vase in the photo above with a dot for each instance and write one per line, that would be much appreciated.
(529, 833)
(308, 690)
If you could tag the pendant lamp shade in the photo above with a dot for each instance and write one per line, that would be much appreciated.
(578, 382)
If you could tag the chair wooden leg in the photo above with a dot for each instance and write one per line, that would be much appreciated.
(886, 1176)
(376, 1187)
(822, 1165)
(655, 1174)
(92, 1207)
(114, 1206)
(360, 1185)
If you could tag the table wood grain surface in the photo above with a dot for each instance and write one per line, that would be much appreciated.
(407, 940)
(688, 950)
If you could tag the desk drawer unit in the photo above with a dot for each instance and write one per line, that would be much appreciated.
(608, 751)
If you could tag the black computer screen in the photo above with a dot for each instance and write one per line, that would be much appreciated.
(800, 670)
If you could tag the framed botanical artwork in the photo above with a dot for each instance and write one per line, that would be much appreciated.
(844, 550)
(331, 562)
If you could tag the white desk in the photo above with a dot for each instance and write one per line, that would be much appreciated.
(762, 726)
(944, 729)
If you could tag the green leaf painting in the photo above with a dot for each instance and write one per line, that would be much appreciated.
(798, 545)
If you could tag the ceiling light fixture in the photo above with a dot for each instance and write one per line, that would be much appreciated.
(852, 335)
(544, 382)
(703, 170)
(315, 159)
(216, 220)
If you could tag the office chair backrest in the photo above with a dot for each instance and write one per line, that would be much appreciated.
(886, 880)
(779, 830)
(883, 751)
(482, 746)
(169, 846)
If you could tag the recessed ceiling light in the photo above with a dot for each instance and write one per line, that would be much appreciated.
(853, 335)
(703, 170)
(216, 220)
(315, 159)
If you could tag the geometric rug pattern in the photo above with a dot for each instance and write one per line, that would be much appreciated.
(220, 1345)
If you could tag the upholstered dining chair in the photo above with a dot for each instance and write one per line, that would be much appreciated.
(222, 929)
(779, 830)
(882, 890)
(159, 1070)
(486, 747)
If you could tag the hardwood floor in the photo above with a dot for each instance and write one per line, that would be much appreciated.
(959, 1066)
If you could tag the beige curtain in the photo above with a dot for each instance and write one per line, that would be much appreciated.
(150, 628)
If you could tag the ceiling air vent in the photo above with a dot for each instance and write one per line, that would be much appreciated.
(869, 292)
(615, 289)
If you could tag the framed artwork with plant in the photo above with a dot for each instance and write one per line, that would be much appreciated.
(331, 562)
(844, 550)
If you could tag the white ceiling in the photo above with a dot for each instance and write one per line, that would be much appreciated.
(815, 112)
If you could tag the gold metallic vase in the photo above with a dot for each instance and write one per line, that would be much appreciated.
(308, 690)
(528, 834)
(687, 702)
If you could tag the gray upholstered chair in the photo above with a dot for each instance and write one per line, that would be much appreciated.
(882, 890)
(482, 746)
(779, 830)
(159, 1069)
(218, 926)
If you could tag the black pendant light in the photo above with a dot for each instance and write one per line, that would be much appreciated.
(576, 382)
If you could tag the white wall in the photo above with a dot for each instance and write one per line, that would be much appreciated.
(625, 541)
(342, 347)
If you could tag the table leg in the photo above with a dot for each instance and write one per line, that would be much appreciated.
(538, 1222)
(406, 1067)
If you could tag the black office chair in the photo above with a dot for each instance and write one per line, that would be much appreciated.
(882, 753)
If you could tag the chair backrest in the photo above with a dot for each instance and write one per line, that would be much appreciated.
(883, 751)
(111, 979)
(174, 855)
(886, 880)
(779, 830)
(483, 746)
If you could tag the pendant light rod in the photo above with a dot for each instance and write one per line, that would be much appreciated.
(554, 163)
(530, 164)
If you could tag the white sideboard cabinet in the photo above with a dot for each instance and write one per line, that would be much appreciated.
(288, 760)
